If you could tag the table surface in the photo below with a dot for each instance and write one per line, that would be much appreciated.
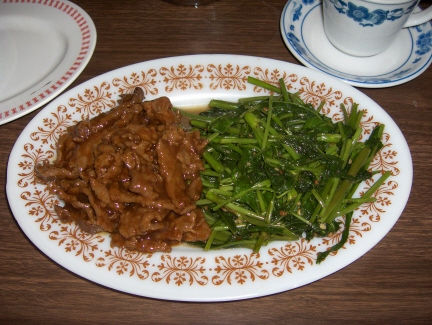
(392, 282)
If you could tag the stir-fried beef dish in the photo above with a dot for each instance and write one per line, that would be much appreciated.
(133, 172)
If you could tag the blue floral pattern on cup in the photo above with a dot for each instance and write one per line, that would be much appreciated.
(365, 17)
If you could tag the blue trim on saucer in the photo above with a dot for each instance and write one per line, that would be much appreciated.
(297, 45)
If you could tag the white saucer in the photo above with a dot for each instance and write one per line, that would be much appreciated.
(44, 46)
(303, 33)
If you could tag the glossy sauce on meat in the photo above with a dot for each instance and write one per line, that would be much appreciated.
(132, 172)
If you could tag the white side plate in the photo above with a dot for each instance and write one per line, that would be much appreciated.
(44, 46)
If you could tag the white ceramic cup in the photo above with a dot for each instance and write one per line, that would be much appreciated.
(368, 27)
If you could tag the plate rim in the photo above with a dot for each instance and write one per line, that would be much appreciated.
(104, 278)
(25, 104)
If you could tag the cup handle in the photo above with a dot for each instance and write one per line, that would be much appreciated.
(419, 17)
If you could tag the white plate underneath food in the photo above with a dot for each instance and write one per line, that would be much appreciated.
(188, 273)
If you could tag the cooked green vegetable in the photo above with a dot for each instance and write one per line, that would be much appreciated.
(277, 169)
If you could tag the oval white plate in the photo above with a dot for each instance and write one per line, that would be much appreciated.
(44, 46)
(303, 33)
(190, 274)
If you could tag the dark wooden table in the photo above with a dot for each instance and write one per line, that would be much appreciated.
(390, 284)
